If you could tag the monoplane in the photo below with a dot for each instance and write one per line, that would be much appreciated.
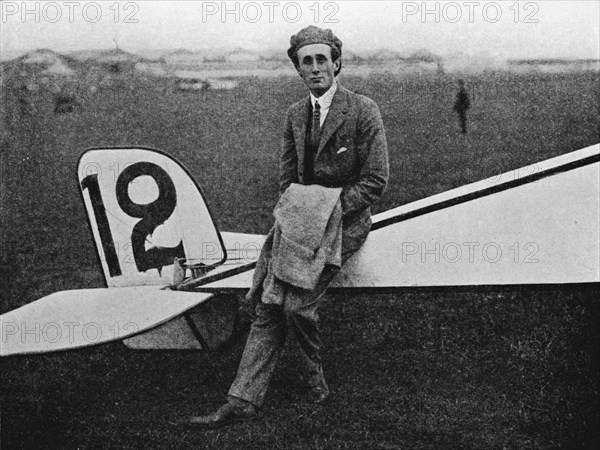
(171, 274)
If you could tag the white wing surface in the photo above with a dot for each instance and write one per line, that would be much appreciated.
(534, 226)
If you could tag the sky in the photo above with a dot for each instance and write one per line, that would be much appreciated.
(504, 29)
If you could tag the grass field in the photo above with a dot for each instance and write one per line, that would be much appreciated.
(501, 369)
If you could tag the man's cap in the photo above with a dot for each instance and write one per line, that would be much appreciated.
(313, 35)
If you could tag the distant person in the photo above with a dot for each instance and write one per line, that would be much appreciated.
(333, 144)
(24, 99)
(64, 103)
(461, 105)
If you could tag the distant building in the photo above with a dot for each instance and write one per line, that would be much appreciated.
(155, 69)
(192, 84)
(423, 55)
(113, 61)
(349, 56)
(384, 54)
(222, 84)
(184, 58)
(241, 55)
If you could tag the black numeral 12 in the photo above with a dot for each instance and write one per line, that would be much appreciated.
(151, 214)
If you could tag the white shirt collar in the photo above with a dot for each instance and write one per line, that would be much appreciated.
(325, 99)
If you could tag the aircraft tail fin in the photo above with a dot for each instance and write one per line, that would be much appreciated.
(146, 212)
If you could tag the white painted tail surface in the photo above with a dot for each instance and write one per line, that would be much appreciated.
(145, 210)
(84, 317)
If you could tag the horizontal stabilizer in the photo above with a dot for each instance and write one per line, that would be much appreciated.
(84, 317)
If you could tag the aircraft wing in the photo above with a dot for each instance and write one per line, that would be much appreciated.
(534, 226)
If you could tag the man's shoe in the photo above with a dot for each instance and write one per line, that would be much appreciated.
(317, 394)
(226, 414)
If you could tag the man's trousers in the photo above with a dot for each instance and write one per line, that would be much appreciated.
(299, 313)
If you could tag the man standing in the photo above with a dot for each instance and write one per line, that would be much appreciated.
(334, 138)
(461, 105)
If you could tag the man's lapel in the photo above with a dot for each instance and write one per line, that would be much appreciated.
(335, 116)
(299, 122)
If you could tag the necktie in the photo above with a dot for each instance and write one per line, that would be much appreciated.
(315, 132)
(312, 144)
(317, 118)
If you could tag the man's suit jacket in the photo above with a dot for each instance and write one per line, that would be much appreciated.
(352, 154)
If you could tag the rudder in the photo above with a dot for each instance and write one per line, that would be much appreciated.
(145, 210)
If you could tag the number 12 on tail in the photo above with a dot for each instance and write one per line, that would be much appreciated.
(151, 215)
